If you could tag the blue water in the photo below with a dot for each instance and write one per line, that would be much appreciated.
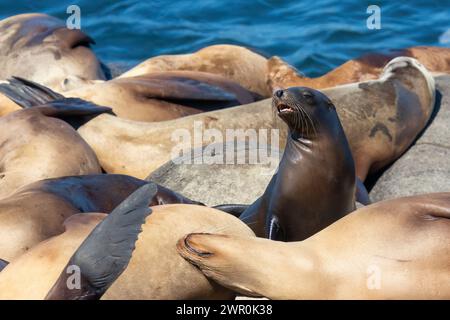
(315, 36)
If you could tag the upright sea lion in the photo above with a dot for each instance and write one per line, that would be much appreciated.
(315, 182)
(37, 211)
(380, 118)
(120, 259)
(40, 48)
(35, 144)
(397, 249)
(367, 67)
(236, 63)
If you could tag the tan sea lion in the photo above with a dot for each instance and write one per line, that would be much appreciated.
(380, 118)
(396, 249)
(367, 67)
(37, 211)
(235, 63)
(40, 48)
(117, 260)
(35, 144)
(158, 96)
(167, 95)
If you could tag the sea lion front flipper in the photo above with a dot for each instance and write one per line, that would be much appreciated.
(233, 209)
(106, 252)
(361, 194)
(28, 94)
(3, 264)
(224, 259)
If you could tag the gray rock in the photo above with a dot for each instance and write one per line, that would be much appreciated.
(214, 183)
(425, 167)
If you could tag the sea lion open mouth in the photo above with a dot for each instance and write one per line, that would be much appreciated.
(283, 108)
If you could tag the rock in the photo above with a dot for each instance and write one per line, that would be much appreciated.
(425, 167)
(220, 183)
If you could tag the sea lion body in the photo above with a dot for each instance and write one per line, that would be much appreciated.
(45, 261)
(396, 249)
(41, 48)
(37, 211)
(315, 182)
(367, 67)
(155, 270)
(235, 63)
(163, 96)
(34, 146)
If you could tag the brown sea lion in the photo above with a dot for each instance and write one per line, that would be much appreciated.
(117, 260)
(315, 182)
(163, 96)
(396, 249)
(40, 48)
(380, 118)
(35, 144)
(235, 63)
(367, 67)
(17, 280)
(158, 96)
(37, 211)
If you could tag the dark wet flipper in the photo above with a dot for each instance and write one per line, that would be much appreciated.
(362, 196)
(233, 209)
(3, 264)
(29, 94)
(106, 252)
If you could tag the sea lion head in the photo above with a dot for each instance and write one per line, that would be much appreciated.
(303, 109)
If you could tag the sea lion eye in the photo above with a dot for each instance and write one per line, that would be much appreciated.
(307, 95)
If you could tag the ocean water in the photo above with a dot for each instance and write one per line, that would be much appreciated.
(315, 36)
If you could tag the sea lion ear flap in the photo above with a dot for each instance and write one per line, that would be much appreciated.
(3, 264)
(29, 94)
(106, 252)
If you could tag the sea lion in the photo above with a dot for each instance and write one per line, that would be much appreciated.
(40, 48)
(113, 264)
(37, 211)
(380, 118)
(167, 95)
(158, 96)
(367, 67)
(315, 182)
(425, 166)
(35, 144)
(396, 249)
(235, 63)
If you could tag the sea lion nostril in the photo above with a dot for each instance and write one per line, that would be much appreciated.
(279, 93)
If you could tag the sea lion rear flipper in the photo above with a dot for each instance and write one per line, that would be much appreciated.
(233, 209)
(106, 252)
(3, 264)
(28, 94)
